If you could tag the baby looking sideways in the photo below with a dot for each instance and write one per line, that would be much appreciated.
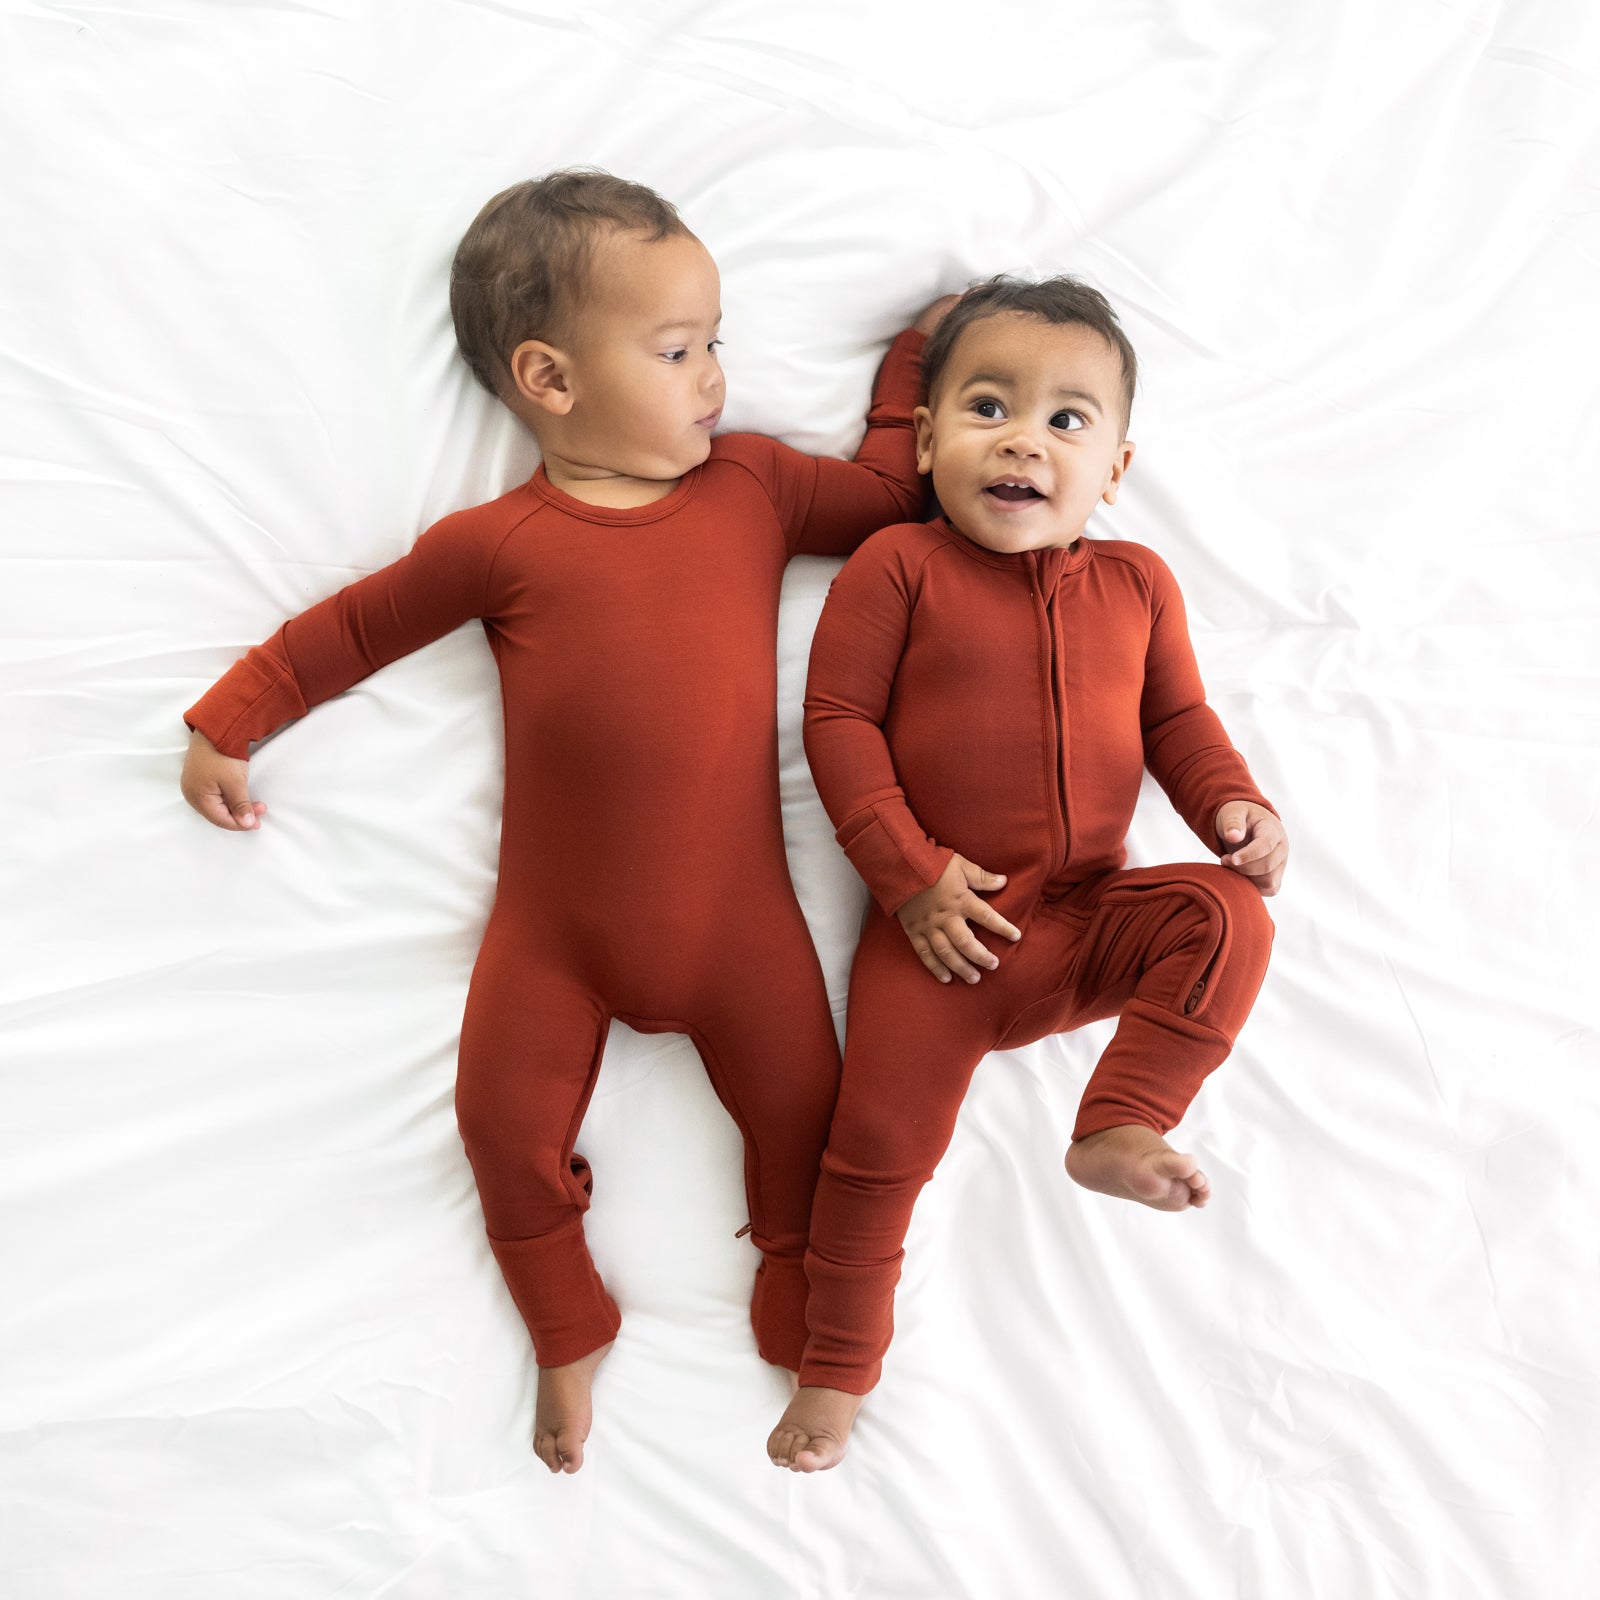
(629, 591)
(985, 693)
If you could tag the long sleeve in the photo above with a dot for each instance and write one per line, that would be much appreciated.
(1185, 746)
(442, 582)
(828, 507)
(854, 654)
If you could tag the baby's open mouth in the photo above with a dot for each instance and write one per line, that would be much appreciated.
(1013, 491)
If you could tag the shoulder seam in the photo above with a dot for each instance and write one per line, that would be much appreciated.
(488, 571)
(1145, 576)
(744, 466)
(941, 545)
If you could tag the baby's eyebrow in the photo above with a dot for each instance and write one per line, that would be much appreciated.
(683, 322)
(1082, 396)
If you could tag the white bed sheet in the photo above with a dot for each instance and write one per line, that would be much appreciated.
(254, 1346)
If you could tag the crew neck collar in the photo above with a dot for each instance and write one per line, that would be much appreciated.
(1055, 559)
(615, 516)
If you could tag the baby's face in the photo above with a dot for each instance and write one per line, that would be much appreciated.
(646, 384)
(1024, 436)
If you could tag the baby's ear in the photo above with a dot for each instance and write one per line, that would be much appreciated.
(1119, 465)
(923, 418)
(539, 375)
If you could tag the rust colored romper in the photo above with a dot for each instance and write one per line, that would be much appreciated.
(1006, 706)
(637, 660)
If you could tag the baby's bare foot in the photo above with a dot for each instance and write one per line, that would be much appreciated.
(563, 1412)
(813, 1433)
(1136, 1163)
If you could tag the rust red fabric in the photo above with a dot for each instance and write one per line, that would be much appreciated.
(642, 869)
(1005, 707)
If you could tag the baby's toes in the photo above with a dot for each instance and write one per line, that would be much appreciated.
(819, 1452)
(560, 1448)
(569, 1447)
(1154, 1179)
(784, 1445)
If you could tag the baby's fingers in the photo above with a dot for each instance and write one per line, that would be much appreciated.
(970, 947)
(243, 811)
(985, 915)
(956, 948)
(1261, 846)
(1264, 870)
(226, 802)
(236, 818)
(926, 956)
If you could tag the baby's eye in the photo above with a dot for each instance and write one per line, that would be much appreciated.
(716, 344)
(1069, 421)
(673, 355)
(988, 409)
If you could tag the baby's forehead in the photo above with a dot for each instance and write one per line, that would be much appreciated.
(638, 288)
(1026, 350)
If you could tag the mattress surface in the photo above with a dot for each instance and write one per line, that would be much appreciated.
(255, 1346)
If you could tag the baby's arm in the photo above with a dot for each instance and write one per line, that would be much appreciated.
(826, 507)
(854, 656)
(441, 583)
(1189, 752)
(851, 500)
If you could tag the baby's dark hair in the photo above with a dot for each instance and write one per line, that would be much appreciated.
(520, 267)
(1063, 301)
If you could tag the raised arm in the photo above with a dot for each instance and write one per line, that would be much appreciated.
(853, 499)
(442, 582)
(850, 500)
(827, 507)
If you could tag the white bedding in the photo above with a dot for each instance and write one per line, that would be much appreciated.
(254, 1346)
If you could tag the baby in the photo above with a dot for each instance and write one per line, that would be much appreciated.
(629, 591)
(989, 687)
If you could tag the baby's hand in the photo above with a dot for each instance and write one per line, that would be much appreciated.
(936, 921)
(218, 787)
(1258, 847)
(933, 315)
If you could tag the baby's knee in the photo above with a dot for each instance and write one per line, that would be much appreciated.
(1249, 922)
(508, 1155)
(879, 1150)
(1234, 902)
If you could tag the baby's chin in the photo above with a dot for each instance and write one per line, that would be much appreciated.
(671, 463)
(697, 452)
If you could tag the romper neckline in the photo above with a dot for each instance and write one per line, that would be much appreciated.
(1054, 561)
(615, 516)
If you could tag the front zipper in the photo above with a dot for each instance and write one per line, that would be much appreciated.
(1058, 722)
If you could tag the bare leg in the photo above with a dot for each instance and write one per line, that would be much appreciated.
(813, 1433)
(564, 1411)
(1135, 1163)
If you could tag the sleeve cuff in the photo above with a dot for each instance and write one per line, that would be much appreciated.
(247, 702)
(895, 858)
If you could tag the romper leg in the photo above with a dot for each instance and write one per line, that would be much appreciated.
(1181, 952)
(766, 1034)
(530, 1051)
(910, 1050)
